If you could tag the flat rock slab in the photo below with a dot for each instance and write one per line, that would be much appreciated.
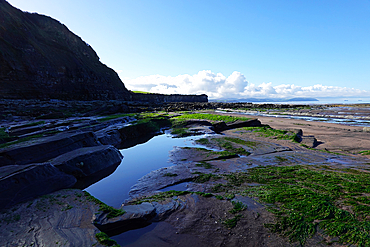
(43, 149)
(200, 223)
(109, 136)
(136, 216)
(200, 130)
(161, 178)
(270, 148)
(22, 183)
(83, 162)
(63, 218)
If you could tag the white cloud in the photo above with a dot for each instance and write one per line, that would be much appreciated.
(218, 86)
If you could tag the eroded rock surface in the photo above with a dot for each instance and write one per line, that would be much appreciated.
(83, 162)
(160, 179)
(63, 218)
(43, 149)
(22, 183)
(136, 216)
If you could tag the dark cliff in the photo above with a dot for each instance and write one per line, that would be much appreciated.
(41, 59)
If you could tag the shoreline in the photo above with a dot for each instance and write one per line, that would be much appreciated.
(332, 137)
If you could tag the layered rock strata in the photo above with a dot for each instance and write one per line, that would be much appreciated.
(41, 59)
(74, 158)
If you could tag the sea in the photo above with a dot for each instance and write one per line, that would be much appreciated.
(317, 101)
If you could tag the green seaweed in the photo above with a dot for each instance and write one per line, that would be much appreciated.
(203, 194)
(212, 117)
(25, 139)
(203, 141)
(231, 223)
(228, 146)
(161, 196)
(238, 207)
(180, 132)
(204, 164)
(242, 142)
(267, 131)
(281, 159)
(104, 239)
(306, 199)
(168, 174)
(111, 212)
(205, 177)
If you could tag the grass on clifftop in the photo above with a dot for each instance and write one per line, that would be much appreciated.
(143, 92)
(306, 198)
(212, 117)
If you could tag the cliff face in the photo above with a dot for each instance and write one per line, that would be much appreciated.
(41, 59)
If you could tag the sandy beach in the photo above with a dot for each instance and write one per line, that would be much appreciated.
(330, 136)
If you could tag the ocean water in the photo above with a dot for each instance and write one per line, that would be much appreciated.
(321, 101)
(352, 113)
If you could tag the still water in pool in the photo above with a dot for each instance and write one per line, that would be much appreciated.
(137, 162)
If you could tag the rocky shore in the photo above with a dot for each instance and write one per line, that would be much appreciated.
(42, 158)
(18, 110)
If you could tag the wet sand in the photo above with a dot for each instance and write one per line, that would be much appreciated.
(332, 137)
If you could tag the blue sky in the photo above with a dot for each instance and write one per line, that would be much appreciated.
(225, 48)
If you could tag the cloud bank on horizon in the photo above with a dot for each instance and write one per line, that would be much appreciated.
(218, 86)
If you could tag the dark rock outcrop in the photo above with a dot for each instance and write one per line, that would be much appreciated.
(41, 59)
(22, 183)
(87, 161)
(62, 218)
(237, 124)
(136, 216)
(43, 149)
(309, 141)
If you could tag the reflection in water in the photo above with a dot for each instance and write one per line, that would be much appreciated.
(85, 182)
(132, 236)
(137, 162)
